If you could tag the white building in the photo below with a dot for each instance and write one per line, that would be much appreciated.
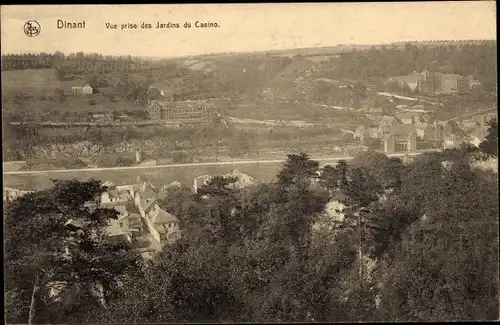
(87, 90)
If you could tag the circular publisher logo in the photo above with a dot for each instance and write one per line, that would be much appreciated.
(32, 28)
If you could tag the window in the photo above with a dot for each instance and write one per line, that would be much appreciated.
(401, 146)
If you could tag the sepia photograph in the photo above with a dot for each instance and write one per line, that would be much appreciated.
(250, 163)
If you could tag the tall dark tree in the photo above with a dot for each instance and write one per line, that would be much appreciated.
(55, 237)
(490, 144)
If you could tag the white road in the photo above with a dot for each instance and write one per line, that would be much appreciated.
(218, 163)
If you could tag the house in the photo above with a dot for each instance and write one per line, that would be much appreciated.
(430, 82)
(386, 123)
(126, 228)
(166, 224)
(76, 90)
(483, 119)
(87, 90)
(147, 196)
(115, 195)
(452, 141)
(407, 117)
(469, 123)
(402, 137)
(427, 132)
(477, 136)
(451, 127)
(411, 81)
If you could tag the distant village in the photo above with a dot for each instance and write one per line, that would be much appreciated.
(141, 223)
(410, 131)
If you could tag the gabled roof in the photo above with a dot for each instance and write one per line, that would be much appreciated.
(113, 193)
(406, 115)
(108, 184)
(163, 217)
(146, 204)
(402, 129)
(387, 120)
(124, 196)
(451, 76)
(121, 209)
(411, 78)
(147, 191)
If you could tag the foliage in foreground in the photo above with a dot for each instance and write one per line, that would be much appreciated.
(428, 238)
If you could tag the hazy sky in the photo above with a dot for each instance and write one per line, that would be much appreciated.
(243, 27)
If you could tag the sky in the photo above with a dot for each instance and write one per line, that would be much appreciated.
(243, 27)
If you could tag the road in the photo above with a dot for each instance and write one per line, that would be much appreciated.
(218, 163)
(488, 110)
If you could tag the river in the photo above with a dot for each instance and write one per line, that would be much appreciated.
(158, 176)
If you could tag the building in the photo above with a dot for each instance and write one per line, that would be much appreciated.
(463, 86)
(87, 90)
(107, 117)
(483, 119)
(141, 223)
(400, 138)
(427, 131)
(166, 224)
(115, 194)
(452, 141)
(363, 133)
(76, 91)
(469, 124)
(408, 117)
(10, 194)
(196, 111)
(448, 83)
(430, 83)
(478, 135)
(411, 81)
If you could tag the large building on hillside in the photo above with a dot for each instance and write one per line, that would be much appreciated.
(430, 83)
(196, 111)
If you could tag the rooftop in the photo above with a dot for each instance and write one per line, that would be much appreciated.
(402, 129)
(162, 217)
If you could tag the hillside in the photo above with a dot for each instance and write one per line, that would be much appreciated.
(35, 81)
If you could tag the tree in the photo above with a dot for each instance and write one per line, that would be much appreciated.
(448, 261)
(93, 82)
(56, 236)
(490, 145)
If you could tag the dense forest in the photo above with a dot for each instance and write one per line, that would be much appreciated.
(416, 241)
